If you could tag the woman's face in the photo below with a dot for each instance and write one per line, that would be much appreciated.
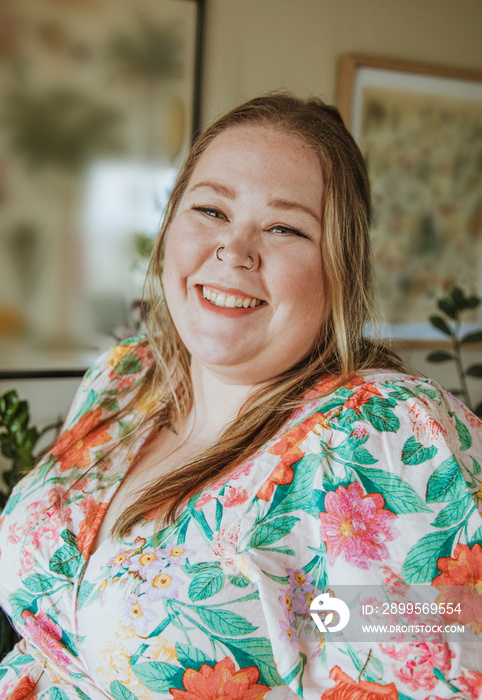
(243, 274)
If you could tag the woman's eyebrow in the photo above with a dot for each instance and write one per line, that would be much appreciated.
(217, 187)
(288, 205)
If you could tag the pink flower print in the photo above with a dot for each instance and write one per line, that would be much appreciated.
(360, 433)
(120, 562)
(287, 632)
(176, 553)
(233, 497)
(202, 500)
(46, 635)
(302, 601)
(162, 584)
(432, 425)
(356, 526)
(148, 560)
(286, 603)
(298, 579)
(137, 614)
(470, 683)
(224, 544)
(420, 661)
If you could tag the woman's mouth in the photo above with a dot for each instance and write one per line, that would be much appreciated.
(229, 301)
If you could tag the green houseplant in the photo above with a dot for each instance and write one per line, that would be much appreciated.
(452, 308)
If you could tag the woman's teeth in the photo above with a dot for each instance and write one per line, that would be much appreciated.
(229, 300)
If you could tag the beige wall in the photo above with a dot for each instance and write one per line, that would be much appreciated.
(253, 46)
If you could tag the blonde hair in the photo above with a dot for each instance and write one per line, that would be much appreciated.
(342, 348)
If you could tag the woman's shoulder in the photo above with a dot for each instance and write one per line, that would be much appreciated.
(110, 383)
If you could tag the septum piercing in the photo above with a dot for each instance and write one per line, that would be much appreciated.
(221, 247)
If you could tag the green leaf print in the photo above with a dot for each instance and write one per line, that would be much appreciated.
(206, 584)
(380, 416)
(87, 594)
(239, 581)
(87, 404)
(81, 693)
(463, 433)
(225, 622)
(12, 503)
(40, 583)
(420, 566)
(20, 601)
(353, 451)
(415, 453)
(120, 692)
(190, 657)
(55, 694)
(446, 483)
(158, 676)
(299, 494)
(476, 466)
(272, 531)
(256, 652)
(399, 496)
(454, 512)
(130, 364)
(109, 403)
(66, 561)
(3, 672)
(69, 538)
(476, 537)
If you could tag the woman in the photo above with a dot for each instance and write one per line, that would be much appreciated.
(253, 451)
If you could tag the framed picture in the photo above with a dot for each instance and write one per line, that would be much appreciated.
(100, 102)
(420, 129)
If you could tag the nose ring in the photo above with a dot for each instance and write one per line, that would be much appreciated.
(221, 247)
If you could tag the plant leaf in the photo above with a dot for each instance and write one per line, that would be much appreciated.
(439, 356)
(225, 622)
(475, 337)
(206, 584)
(474, 371)
(440, 324)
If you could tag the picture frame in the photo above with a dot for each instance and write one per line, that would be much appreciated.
(77, 224)
(419, 126)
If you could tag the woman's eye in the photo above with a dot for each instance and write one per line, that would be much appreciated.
(212, 212)
(287, 231)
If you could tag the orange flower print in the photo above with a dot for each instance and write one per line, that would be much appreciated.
(88, 527)
(72, 447)
(348, 689)
(22, 689)
(361, 397)
(281, 474)
(221, 681)
(461, 582)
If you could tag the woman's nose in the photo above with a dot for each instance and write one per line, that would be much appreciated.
(239, 250)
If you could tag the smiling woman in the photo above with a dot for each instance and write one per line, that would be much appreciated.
(253, 452)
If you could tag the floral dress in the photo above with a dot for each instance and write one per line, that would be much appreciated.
(377, 482)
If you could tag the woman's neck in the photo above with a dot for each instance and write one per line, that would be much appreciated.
(216, 402)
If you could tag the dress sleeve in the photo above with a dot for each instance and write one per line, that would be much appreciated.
(19, 673)
(380, 486)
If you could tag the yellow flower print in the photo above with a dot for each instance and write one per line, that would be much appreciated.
(161, 650)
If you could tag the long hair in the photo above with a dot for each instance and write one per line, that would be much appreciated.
(341, 350)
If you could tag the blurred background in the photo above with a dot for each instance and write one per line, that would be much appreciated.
(99, 101)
